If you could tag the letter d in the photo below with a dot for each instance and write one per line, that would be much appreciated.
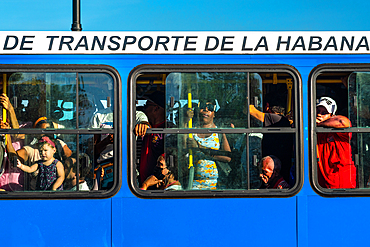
(7, 40)
(207, 48)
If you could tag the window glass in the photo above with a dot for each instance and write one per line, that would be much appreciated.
(340, 118)
(216, 131)
(95, 98)
(58, 133)
(50, 95)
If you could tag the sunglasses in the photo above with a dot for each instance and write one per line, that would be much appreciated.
(211, 107)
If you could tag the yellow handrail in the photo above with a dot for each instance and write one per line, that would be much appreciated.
(190, 125)
(4, 91)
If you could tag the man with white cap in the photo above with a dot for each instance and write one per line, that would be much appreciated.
(336, 168)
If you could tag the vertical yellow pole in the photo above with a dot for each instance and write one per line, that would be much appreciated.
(191, 166)
(289, 84)
(190, 125)
(4, 91)
(4, 110)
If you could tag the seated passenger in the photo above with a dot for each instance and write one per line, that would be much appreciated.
(103, 144)
(51, 170)
(164, 178)
(275, 144)
(270, 174)
(71, 178)
(207, 147)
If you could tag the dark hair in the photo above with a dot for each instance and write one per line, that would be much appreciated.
(174, 172)
(205, 100)
(85, 164)
(158, 98)
(278, 109)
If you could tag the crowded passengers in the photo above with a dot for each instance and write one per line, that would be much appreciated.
(211, 156)
(49, 162)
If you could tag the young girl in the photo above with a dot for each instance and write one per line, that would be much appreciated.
(51, 170)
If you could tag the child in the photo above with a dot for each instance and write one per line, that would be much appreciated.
(51, 170)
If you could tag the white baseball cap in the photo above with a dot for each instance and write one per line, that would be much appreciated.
(329, 104)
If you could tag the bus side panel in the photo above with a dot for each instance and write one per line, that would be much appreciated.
(338, 221)
(56, 223)
(203, 222)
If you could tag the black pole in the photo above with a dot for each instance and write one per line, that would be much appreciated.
(76, 25)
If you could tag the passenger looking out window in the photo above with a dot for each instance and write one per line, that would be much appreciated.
(336, 168)
(270, 173)
(50, 170)
(205, 148)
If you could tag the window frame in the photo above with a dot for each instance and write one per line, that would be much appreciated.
(117, 130)
(315, 72)
(168, 68)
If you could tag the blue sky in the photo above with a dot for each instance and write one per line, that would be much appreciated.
(187, 15)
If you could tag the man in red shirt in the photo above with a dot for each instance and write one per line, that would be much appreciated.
(336, 168)
(270, 174)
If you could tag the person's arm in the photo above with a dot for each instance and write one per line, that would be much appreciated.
(28, 169)
(336, 122)
(21, 153)
(66, 151)
(256, 113)
(225, 147)
(140, 128)
(60, 175)
(150, 181)
(142, 124)
(5, 102)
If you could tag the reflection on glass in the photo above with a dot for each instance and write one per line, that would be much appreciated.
(96, 97)
(360, 145)
(358, 95)
(49, 95)
(256, 91)
(186, 92)
(53, 96)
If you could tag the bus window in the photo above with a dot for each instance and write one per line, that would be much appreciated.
(58, 132)
(205, 128)
(339, 122)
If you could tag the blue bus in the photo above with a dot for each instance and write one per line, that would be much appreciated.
(208, 102)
